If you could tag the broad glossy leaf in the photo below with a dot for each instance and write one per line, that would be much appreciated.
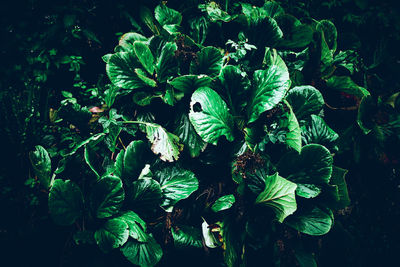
(164, 143)
(165, 15)
(65, 202)
(144, 55)
(143, 254)
(271, 58)
(208, 61)
(129, 38)
(176, 184)
(41, 164)
(311, 220)
(293, 134)
(187, 236)
(191, 141)
(264, 32)
(347, 85)
(295, 34)
(121, 70)
(209, 116)
(305, 100)
(167, 64)
(269, 88)
(316, 131)
(147, 17)
(146, 80)
(137, 227)
(113, 234)
(235, 86)
(107, 197)
(279, 194)
(189, 83)
(223, 203)
(330, 33)
(134, 160)
(307, 190)
(146, 194)
(338, 179)
(312, 166)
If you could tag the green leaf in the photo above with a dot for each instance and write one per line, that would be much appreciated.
(312, 166)
(94, 138)
(119, 164)
(346, 84)
(189, 83)
(365, 114)
(295, 34)
(318, 132)
(293, 134)
(312, 221)
(278, 194)
(137, 227)
(143, 254)
(192, 142)
(269, 88)
(107, 197)
(330, 33)
(307, 190)
(208, 61)
(143, 98)
(338, 179)
(134, 160)
(209, 238)
(215, 13)
(144, 55)
(121, 70)
(223, 203)
(235, 86)
(65, 202)
(271, 58)
(146, 194)
(264, 32)
(129, 38)
(146, 80)
(164, 143)
(209, 116)
(41, 164)
(88, 155)
(187, 236)
(167, 64)
(165, 15)
(305, 100)
(176, 184)
(113, 234)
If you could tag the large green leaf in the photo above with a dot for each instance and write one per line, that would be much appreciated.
(293, 134)
(330, 33)
(316, 131)
(113, 234)
(347, 85)
(144, 55)
(146, 194)
(338, 179)
(295, 34)
(279, 194)
(121, 70)
(167, 64)
(176, 184)
(311, 221)
(305, 100)
(312, 166)
(166, 16)
(107, 196)
(235, 85)
(187, 236)
(65, 202)
(189, 83)
(208, 61)
(269, 88)
(127, 40)
(141, 74)
(134, 160)
(223, 203)
(143, 254)
(209, 116)
(41, 164)
(137, 227)
(192, 142)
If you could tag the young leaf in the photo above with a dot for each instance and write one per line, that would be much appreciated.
(41, 164)
(144, 55)
(312, 221)
(278, 194)
(305, 100)
(65, 202)
(107, 197)
(176, 184)
(113, 234)
(209, 116)
(143, 254)
(209, 62)
(223, 203)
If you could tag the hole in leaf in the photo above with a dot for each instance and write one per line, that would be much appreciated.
(197, 107)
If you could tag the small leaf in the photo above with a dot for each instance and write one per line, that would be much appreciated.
(143, 254)
(65, 202)
(41, 164)
(209, 116)
(208, 61)
(278, 194)
(312, 221)
(223, 203)
(113, 234)
(107, 197)
(144, 55)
